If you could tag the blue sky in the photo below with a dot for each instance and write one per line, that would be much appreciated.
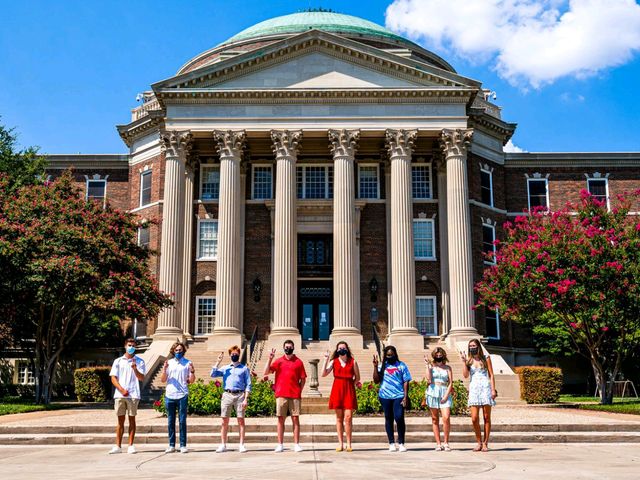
(70, 71)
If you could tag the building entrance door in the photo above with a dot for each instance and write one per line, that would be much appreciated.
(314, 300)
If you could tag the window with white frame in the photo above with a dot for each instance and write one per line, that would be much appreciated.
(426, 316)
(262, 182)
(492, 323)
(488, 246)
(144, 236)
(145, 187)
(423, 239)
(368, 181)
(25, 374)
(207, 239)
(486, 186)
(314, 181)
(205, 315)
(421, 181)
(97, 190)
(538, 192)
(209, 182)
(599, 189)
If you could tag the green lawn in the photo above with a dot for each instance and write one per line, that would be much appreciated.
(620, 405)
(10, 405)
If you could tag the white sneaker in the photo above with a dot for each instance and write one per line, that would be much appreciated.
(392, 447)
(170, 450)
(242, 448)
(279, 448)
(402, 448)
(115, 449)
(297, 448)
(131, 449)
(184, 450)
(222, 448)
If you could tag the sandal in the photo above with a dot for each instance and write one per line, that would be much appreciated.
(446, 447)
(478, 448)
(438, 448)
(349, 449)
(485, 447)
(339, 449)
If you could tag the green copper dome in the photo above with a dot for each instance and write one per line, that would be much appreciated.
(320, 20)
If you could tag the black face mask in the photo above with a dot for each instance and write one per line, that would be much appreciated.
(288, 350)
(473, 351)
(342, 351)
(392, 358)
(438, 359)
(235, 357)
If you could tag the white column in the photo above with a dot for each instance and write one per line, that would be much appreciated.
(187, 256)
(346, 291)
(444, 246)
(285, 256)
(404, 332)
(176, 146)
(228, 275)
(387, 189)
(454, 145)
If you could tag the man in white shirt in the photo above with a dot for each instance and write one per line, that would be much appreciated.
(126, 374)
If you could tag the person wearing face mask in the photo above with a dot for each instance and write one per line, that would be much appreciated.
(393, 377)
(236, 381)
(439, 395)
(343, 392)
(126, 374)
(290, 379)
(177, 373)
(482, 390)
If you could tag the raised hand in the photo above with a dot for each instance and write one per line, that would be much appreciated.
(326, 355)
(427, 360)
(375, 360)
(220, 357)
(464, 356)
(166, 365)
(272, 353)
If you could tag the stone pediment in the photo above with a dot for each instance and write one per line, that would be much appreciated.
(315, 60)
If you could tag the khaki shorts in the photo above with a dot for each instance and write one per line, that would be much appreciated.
(231, 401)
(288, 405)
(126, 406)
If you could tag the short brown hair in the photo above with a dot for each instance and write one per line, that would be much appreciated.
(235, 348)
(130, 340)
(172, 350)
(442, 351)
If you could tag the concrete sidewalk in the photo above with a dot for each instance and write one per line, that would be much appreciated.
(524, 461)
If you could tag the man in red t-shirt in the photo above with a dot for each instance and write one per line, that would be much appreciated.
(290, 379)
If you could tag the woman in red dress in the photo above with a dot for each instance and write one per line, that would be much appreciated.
(343, 393)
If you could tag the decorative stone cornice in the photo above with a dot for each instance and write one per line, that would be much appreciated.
(454, 143)
(343, 143)
(400, 142)
(175, 143)
(479, 119)
(286, 143)
(229, 143)
(153, 121)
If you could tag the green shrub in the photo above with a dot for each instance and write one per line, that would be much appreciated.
(367, 397)
(92, 384)
(540, 384)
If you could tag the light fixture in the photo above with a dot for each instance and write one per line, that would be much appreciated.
(373, 289)
(257, 288)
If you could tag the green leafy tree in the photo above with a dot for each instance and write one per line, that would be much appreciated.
(66, 262)
(22, 167)
(574, 276)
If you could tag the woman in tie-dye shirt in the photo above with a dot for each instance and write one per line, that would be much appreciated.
(393, 377)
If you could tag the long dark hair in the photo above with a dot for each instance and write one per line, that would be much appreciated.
(335, 352)
(388, 348)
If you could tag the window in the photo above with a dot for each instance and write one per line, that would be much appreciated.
(492, 322)
(207, 239)
(368, 181)
(426, 316)
(314, 181)
(262, 181)
(210, 183)
(423, 243)
(145, 188)
(538, 192)
(97, 190)
(25, 374)
(421, 181)
(488, 237)
(599, 189)
(205, 315)
(486, 187)
(144, 236)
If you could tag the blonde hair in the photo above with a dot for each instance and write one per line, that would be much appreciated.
(444, 354)
(483, 359)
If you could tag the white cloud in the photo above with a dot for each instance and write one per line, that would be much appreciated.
(510, 147)
(527, 41)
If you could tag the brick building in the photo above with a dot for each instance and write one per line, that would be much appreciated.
(318, 177)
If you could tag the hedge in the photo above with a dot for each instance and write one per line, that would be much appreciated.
(92, 384)
(540, 384)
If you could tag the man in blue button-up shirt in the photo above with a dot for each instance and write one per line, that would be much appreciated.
(236, 381)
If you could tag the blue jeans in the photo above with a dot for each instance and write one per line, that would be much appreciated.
(171, 406)
(393, 411)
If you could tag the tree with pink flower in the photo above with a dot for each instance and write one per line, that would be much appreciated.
(574, 276)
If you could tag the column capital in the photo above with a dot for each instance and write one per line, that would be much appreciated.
(343, 143)
(229, 143)
(455, 142)
(400, 142)
(286, 143)
(176, 143)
